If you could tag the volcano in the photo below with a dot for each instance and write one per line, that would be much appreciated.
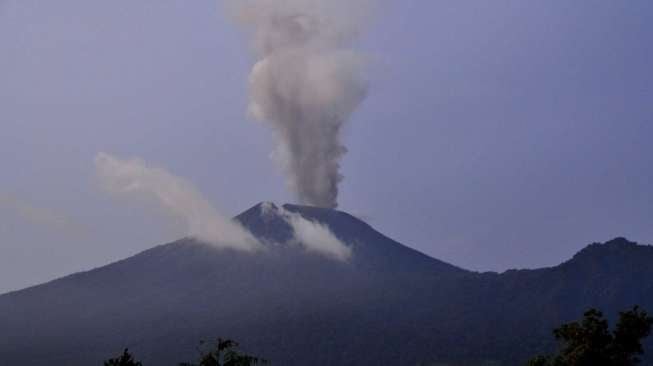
(386, 305)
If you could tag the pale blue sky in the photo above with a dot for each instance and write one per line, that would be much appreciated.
(497, 134)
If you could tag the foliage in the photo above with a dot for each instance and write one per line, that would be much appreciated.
(126, 359)
(224, 352)
(589, 342)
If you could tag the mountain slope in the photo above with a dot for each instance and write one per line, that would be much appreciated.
(387, 305)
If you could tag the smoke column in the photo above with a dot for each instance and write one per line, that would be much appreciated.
(306, 84)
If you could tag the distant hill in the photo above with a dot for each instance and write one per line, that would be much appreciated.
(387, 305)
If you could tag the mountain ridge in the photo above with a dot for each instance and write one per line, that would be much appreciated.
(285, 304)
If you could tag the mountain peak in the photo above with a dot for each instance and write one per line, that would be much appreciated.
(620, 241)
(613, 252)
(265, 221)
(617, 244)
(269, 221)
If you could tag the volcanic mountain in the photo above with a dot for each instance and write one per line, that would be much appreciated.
(386, 305)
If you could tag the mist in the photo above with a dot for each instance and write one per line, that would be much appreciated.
(306, 83)
(172, 195)
(52, 219)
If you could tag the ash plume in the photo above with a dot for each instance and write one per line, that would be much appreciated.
(173, 195)
(306, 83)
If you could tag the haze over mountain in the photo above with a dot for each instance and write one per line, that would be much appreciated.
(386, 304)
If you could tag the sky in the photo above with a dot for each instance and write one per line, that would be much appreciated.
(495, 135)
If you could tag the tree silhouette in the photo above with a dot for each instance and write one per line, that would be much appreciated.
(126, 359)
(224, 352)
(589, 342)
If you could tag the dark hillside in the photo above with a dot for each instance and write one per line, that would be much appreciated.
(387, 305)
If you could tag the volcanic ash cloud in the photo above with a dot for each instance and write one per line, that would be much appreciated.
(306, 84)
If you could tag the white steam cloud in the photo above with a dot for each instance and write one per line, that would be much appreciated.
(317, 237)
(306, 84)
(175, 196)
(313, 236)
